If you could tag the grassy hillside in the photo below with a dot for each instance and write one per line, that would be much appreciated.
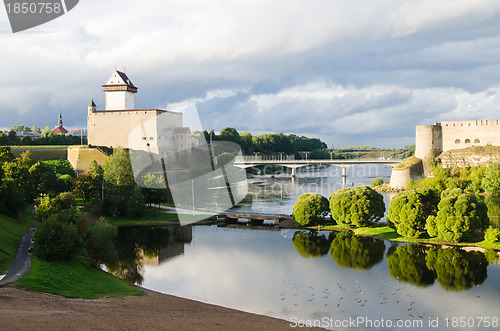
(74, 279)
(11, 232)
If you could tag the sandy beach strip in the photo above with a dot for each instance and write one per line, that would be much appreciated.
(26, 310)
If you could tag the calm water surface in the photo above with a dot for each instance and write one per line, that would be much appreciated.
(323, 276)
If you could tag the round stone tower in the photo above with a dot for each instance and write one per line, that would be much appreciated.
(428, 141)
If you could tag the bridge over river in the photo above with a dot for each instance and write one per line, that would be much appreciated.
(248, 162)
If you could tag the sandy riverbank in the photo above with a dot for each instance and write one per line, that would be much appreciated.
(26, 310)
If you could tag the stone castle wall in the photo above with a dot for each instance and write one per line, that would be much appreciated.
(432, 140)
(144, 129)
(463, 134)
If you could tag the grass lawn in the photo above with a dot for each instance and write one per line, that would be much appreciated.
(11, 232)
(74, 279)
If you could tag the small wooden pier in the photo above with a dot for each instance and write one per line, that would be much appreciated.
(257, 219)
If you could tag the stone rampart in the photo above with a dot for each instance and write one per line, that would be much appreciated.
(80, 158)
(400, 177)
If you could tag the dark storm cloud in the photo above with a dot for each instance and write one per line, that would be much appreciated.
(352, 72)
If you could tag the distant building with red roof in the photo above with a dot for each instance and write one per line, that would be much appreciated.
(59, 127)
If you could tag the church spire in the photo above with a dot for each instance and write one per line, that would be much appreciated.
(60, 124)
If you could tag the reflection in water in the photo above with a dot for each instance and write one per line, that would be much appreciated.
(310, 244)
(138, 246)
(493, 204)
(285, 276)
(407, 264)
(354, 252)
(456, 269)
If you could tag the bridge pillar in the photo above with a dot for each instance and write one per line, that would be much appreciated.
(293, 173)
(344, 176)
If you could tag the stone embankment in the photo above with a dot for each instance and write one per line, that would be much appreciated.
(470, 157)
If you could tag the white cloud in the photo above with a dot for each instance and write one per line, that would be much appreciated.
(365, 70)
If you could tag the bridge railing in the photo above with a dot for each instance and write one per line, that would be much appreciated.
(259, 159)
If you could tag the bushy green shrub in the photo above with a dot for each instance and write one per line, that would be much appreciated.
(451, 192)
(492, 234)
(377, 182)
(310, 208)
(457, 217)
(356, 206)
(410, 209)
(431, 226)
(56, 239)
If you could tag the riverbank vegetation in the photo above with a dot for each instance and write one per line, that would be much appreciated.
(280, 145)
(69, 247)
(415, 215)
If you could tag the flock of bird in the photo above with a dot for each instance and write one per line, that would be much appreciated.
(351, 297)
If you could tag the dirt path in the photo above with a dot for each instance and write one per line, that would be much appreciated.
(26, 310)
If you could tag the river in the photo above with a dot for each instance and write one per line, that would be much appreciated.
(330, 279)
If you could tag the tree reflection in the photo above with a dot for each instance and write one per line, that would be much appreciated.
(457, 269)
(493, 204)
(310, 244)
(132, 244)
(407, 263)
(349, 251)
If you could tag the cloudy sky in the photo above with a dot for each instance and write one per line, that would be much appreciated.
(349, 72)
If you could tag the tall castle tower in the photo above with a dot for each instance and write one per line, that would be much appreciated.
(119, 91)
(121, 125)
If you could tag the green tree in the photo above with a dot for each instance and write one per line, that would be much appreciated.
(457, 217)
(456, 269)
(246, 143)
(491, 181)
(349, 251)
(377, 182)
(407, 264)
(6, 154)
(310, 208)
(11, 198)
(152, 191)
(64, 203)
(83, 186)
(230, 134)
(356, 206)
(492, 235)
(56, 239)
(310, 244)
(18, 171)
(100, 243)
(47, 181)
(409, 210)
(121, 194)
(97, 174)
(117, 169)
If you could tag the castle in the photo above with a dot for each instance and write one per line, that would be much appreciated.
(432, 140)
(121, 125)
